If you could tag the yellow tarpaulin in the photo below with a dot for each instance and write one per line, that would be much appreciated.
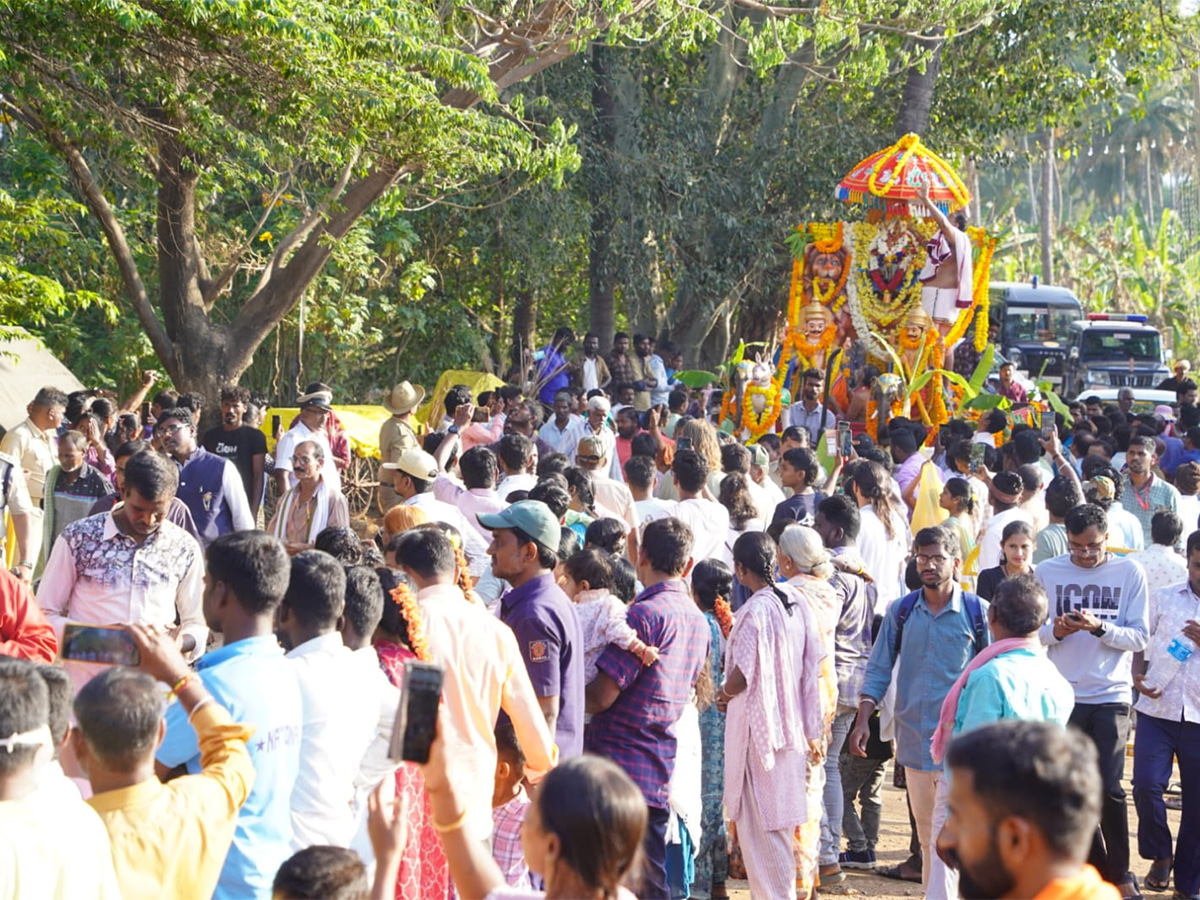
(434, 408)
(361, 424)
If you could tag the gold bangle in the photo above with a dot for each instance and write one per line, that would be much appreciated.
(453, 826)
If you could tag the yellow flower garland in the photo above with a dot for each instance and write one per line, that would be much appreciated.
(979, 292)
(877, 316)
(771, 411)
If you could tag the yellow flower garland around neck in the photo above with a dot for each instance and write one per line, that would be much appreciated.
(751, 421)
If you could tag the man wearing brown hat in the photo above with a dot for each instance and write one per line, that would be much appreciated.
(397, 434)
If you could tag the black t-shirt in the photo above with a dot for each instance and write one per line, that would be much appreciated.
(988, 580)
(239, 447)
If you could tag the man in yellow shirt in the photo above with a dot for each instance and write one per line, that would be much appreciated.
(168, 840)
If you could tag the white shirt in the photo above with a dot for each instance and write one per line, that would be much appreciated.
(1162, 565)
(1125, 530)
(616, 496)
(591, 381)
(553, 435)
(884, 559)
(511, 483)
(1189, 512)
(1168, 611)
(709, 522)
(98, 575)
(286, 448)
(473, 544)
(993, 531)
(583, 428)
(341, 702)
(650, 510)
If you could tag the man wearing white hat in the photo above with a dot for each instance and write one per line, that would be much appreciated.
(315, 407)
(397, 434)
(413, 476)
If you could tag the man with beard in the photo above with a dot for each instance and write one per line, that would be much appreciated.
(71, 488)
(209, 486)
(1098, 621)
(627, 427)
(644, 380)
(97, 569)
(620, 365)
(809, 414)
(926, 641)
(589, 370)
(1024, 801)
(1149, 493)
(523, 551)
(594, 425)
(242, 445)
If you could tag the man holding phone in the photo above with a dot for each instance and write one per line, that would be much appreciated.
(1098, 620)
(128, 566)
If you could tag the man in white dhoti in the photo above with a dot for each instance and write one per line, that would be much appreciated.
(947, 278)
(774, 720)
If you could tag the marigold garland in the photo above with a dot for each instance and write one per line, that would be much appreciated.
(796, 346)
(407, 601)
(978, 310)
(724, 615)
(771, 411)
(866, 307)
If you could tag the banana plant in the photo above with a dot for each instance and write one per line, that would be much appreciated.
(916, 382)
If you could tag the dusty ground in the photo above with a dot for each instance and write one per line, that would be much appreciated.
(893, 849)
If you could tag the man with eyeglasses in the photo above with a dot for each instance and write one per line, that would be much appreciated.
(1098, 620)
(311, 505)
(209, 485)
(926, 641)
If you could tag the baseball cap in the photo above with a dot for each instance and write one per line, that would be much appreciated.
(531, 516)
(416, 463)
(1165, 411)
(758, 455)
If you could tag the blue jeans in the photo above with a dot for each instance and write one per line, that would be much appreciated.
(1156, 744)
(831, 818)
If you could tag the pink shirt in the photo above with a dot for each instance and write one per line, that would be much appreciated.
(470, 501)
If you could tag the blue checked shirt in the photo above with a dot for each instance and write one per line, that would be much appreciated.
(637, 731)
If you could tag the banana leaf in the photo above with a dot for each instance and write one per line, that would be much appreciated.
(696, 378)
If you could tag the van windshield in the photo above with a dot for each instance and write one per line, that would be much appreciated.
(1112, 344)
(1038, 324)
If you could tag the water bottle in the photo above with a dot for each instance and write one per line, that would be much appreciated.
(1164, 669)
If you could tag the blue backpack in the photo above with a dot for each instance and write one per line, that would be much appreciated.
(970, 602)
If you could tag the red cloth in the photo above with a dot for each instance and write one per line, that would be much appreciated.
(24, 631)
(424, 873)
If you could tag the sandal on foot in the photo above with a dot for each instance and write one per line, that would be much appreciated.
(898, 873)
(1159, 876)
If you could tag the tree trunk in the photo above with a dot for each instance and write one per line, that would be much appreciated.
(1030, 181)
(1047, 209)
(524, 330)
(919, 83)
(601, 258)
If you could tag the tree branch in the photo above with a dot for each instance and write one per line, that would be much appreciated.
(212, 289)
(301, 231)
(93, 196)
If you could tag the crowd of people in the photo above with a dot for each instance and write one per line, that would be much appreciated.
(671, 656)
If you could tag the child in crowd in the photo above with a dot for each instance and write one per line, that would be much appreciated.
(587, 580)
(509, 804)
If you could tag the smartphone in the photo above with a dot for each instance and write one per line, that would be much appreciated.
(831, 442)
(683, 443)
(416, 717)
(146, 413)
(1074, 616)
(978, 452)
(1049, 430)
(275, 420)
(110, 645)
(845, 440)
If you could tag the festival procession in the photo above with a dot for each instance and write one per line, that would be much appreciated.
(898, 595)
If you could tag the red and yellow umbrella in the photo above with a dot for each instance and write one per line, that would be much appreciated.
(891, 178)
